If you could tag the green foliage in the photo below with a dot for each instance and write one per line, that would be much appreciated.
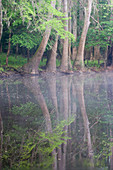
(15, 61)
(1, 82)
(105, 150)
(25, 109)
(28, 40)
(99, 34)
(46, 143)
(1, 70)
(21, 147)
(57, 62)
(29, 111)
(43, 62)
(94, 63)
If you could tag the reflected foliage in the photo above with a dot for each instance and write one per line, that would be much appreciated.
(24, 148)
(57, 123)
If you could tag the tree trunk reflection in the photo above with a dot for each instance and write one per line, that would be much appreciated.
(1, 139)
(34, 87)
(87, 135)
(52, 89)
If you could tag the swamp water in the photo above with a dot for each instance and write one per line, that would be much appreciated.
(57, 122)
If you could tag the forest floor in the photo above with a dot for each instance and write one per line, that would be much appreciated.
(16, 62)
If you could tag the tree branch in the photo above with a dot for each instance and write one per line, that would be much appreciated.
(91, 16)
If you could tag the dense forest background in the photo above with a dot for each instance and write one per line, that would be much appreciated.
(70, 31)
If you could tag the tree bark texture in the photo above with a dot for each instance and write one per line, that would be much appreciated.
(51, 66)
(1, 26)
(69, 29)
(33, 64)
(9, 47)
(64, 61)
(97, 54)
(80, 55)
(74, 28)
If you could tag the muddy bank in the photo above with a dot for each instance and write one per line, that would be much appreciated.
(12, 72)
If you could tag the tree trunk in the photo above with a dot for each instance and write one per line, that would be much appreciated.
(80, 56)
(69, 29)
(28, 55)
(33, 64)
(110, 2)
(1, 20)
(16, 50)
(0, 47)
(88, 54)
(97, 55)
(74, 49)
(9, 47)
(64, 61)
(112, 56)
(105, 57)
(51, 66)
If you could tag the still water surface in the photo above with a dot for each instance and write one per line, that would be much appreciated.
(57, 122)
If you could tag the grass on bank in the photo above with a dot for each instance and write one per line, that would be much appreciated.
(93, 63)
(18, 61)
(14, 60)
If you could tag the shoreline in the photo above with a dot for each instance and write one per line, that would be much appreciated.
(15, 72)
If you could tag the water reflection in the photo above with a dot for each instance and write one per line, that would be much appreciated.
(57, 122)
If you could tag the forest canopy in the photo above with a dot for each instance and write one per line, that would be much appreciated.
(70, 31)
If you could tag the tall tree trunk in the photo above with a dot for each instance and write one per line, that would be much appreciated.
(64, 61)
(28, 55)
(97, 54)
(80, 56)
(16, 50)
(69, 29)
(112, 56)
(74, 49)
(33, 64)
(9, 47)
(88, 54)
(0, 47)
(105, 57)
(51, 66)
(1, 20)
(110, 3)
